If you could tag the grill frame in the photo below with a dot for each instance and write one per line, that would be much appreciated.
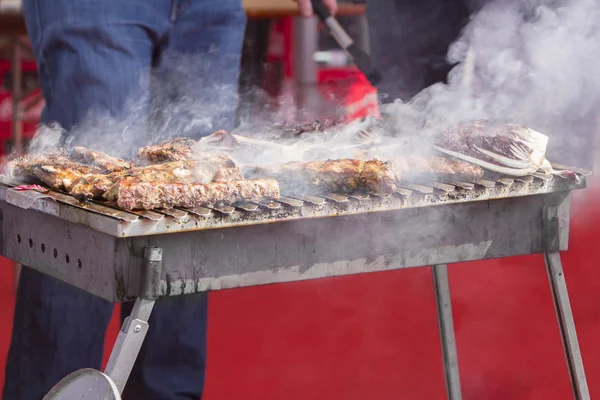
(77, 245)
(281, 250)
(120, 223)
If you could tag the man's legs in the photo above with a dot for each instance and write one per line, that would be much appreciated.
(198, 73)
(89, 55)
(196, 88)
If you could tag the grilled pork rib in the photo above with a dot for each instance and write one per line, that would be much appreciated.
(315, 127)
(344, 175)
(99, 159)
(54, 169)
(436, 168)
(131, 194)
(177, 149)
(212, 169)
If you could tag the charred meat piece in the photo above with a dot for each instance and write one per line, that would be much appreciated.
(437, 168)
(99, 159)
(53, 169)
(343, 175)
(311, 127)
(93, 186)
(131, 194)
(212, 169)
(177, 149)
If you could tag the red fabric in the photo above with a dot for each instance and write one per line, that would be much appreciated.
(6, 106)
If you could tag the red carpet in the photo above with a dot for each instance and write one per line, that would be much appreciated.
(376, 337)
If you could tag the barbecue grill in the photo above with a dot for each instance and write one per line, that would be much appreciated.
(144, 256)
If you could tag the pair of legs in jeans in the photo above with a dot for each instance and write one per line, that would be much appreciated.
(97, 55)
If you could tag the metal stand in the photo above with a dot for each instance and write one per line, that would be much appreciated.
(560, 295)
(562, 304)
(446, 325)
(306, 43)
(128, 344)
(87, 384)
(566, 325)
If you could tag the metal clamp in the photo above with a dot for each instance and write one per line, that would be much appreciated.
(551, 229)
(151, 273)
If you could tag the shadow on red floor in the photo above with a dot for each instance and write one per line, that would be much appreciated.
(376, 337)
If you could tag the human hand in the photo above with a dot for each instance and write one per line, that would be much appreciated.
(306, 9)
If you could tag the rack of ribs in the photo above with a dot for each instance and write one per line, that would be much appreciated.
(342, 176)
(211, 169)
(436, 168)
(177, 149)
(132, 194)
(99, 159)
(54, 169)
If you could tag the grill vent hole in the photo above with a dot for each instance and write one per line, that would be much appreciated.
(18, 238)
(79, 264)
(31, 243)
(43, 248)
(67, 258)
(55, 253)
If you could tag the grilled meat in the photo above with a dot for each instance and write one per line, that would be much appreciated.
(343, 175)
(99, 159)
(212, 169)
(53, 169)
(131, 194)
(311, 127)
(177, 149)
(437, 168)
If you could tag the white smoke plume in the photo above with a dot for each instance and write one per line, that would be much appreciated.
(526, 62)
(523, 61)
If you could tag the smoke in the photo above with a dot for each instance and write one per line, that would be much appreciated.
(187, 95)
(528, 62)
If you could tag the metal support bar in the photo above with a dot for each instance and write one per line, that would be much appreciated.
(446, 325)
(128, 344)
(567, 326)
(306, 43)
(133, 331)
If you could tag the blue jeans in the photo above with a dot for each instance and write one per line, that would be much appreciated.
(108, 70)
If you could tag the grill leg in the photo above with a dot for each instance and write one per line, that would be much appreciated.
(128, 344)
(444, 312)
(134, 329)
(567, 325)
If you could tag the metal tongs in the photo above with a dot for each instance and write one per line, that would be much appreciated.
(348, 141)
(361, 59)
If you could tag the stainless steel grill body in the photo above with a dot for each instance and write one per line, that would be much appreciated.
(103, 254)
(122, 256)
